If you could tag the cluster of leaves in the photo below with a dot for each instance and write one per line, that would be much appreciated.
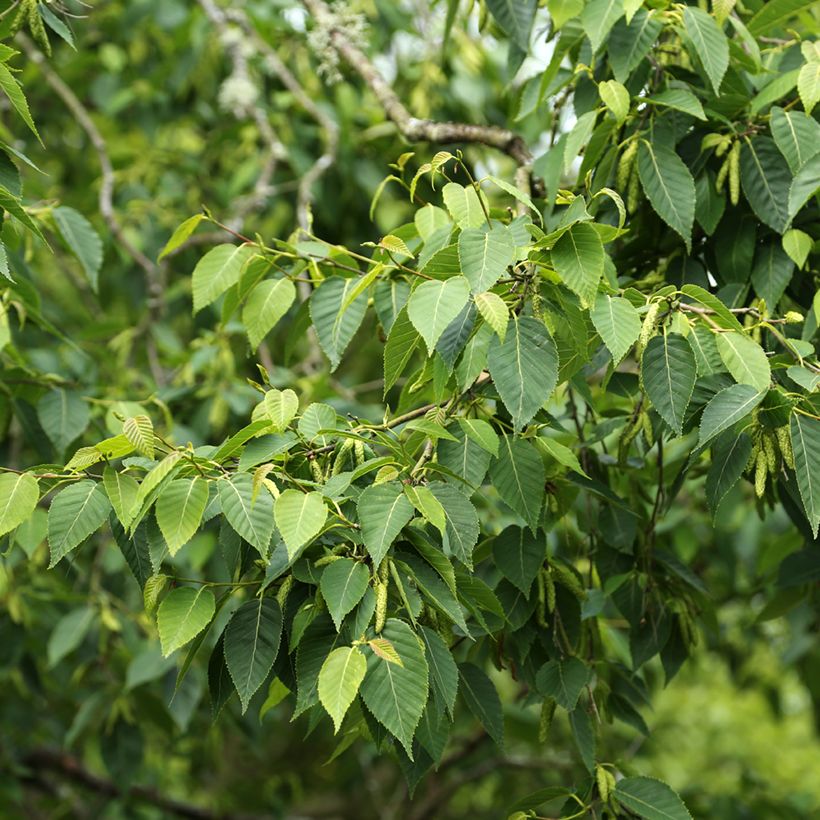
(558, 370)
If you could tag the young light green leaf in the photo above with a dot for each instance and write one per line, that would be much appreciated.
(181, 235)
(182, 615)
(13, 90)
(218, 270)
(798, 245)
(299, 518)
(482, 433)
(808, 85)
(434, 304)
(494, 311)
(281, 407)
(18, 498)
(179, 510)
(140, 433)
(615, 97)
(427, 504)
(680, 99)
(464, 205)
(251, 645)
(340, 677)
(797, 136)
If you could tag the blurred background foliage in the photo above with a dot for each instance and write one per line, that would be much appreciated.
(88, 707)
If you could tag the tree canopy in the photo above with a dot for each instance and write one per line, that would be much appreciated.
(402, 396)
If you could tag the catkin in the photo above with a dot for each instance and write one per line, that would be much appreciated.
(547, 712)
(722, 174)
(341, 456)
(761, 470)
(549, 586)
(784, 442)
(358, 451)
(541, 607)
(603, 782)
(633, 192)
(381, 605)
(734, 173)
(648, 326)
(284, 591)
(771, 453)
(316, 470)
(625, 163)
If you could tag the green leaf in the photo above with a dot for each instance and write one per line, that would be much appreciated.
(805, 185)
(181, 235)
(778, 88)
(668, 372)
(745, 359)
(250, 518)
(482, 700)
(519, 554)
(765, 177)
(396, 695)
(616, 98)
(518, 475)
(465, 458)
(726, 408)
(484, 255)
(267, 303)
(524, 368)
(217, 271)
(14, 92)
(462, 529)
(561, 454)
(669, 185)
(299, 518)
(251, 645)
(182, 615)
(464, 205)
(434, 304)
(63, 415)
(772, 273)
(179, 510)
(76, 512)
(443, 669)
(336, 327)
(68, 634)
(340, 677)
(805, 438)
(617, 322)
(563, 680)
(583, 733)
(402, 342)
(482, 433)
(598, 17)
(808, 85)
(630, 42)
(797, 136)
(494, 311)
(775, 13)
(650, 799)
(19, 494)
(730, 454)
(515, 18)
(427, 504)
(82, 240)
(709, 41)
(383, 511)
(344, 583)
(681, 100)
(578, 258)
(122, 492)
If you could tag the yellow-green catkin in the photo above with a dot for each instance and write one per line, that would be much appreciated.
(381, 605)
(358, 450)
(771, 453)
(316, 470)
(784, 442)
(541, 607)
(633, 192)
(341, 456)
(547, 712)
(603, 782)
(625, 163)
(648, 326)
(723, 173)
(549, 588)
(761, 471)
(734, 173)
(284, 591)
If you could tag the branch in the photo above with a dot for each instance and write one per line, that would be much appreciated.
(412, 128)
(72, 769)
